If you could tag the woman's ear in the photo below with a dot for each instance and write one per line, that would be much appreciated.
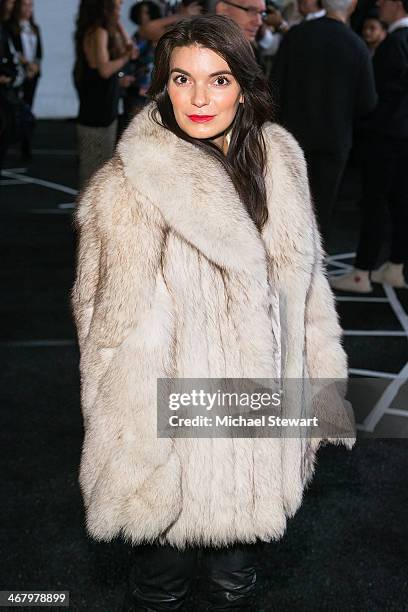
(241, 100)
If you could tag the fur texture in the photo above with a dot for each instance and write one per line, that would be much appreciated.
(174, 280)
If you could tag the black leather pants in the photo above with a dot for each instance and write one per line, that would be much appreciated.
(227, 578)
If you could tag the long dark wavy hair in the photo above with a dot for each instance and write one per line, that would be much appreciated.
(3, 14)
(94, 14)
(14, 22)
(246, 158)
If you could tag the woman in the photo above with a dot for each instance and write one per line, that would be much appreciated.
(13, 110)
(199, 258)
(102, 50)
(374, 31)
(135, 98)
(6, 8)
(26, 38)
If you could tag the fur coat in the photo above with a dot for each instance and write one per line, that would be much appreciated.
(174, 280)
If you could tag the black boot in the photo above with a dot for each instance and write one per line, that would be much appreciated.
(230, 576)
(161, 578)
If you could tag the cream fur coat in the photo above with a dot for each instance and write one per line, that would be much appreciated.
(174, 280)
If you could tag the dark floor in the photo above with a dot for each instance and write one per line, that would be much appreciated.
(347, 547)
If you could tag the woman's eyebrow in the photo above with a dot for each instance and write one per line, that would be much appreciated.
(211, 75)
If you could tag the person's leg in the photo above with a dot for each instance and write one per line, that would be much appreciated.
(376, 174)
(399, 208)
(6, 130)
(392, 271)
(325, 171)
(29, 88)
(96, 146)
(161, 578)
(377, 179)
(230, 576)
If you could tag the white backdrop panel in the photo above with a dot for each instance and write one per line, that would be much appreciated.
(56, 96)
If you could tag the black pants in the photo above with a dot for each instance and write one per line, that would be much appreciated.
(27, 127)
(7, 128)
(325, 170)
(163, 576)
(385, 197)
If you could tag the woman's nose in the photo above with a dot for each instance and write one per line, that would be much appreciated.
(199, 95)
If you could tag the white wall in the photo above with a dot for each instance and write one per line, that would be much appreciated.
(56, 96)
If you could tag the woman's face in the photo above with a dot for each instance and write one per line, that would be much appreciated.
(26, 9)
(7, 8)
(144, 15)
(117, 7)
(373, 32)
(204, 94)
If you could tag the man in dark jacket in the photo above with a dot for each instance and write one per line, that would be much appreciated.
(323, 81)
(385, 161)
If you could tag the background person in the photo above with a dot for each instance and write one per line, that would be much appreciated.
(153, 29)
(324, 82)
(134, 97)
(385, 162)
(311, 9)
(196, 240)
(12, 76)
(247, 14)
(26, 36)
(374, 31)
(102, 50)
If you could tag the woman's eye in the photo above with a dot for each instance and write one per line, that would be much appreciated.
(181, 79)
(181, 76)
(222, 78)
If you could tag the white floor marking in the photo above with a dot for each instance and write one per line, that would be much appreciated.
(373, 373)
(396, 412)
(340, 256)
(47, 211)
(373, 332)
(339, 272)
(34, 181)
(37, 343)
(54, 152)
(339, 264)
(385, 400)
(397, 308)
(352, 298)
(10, 182)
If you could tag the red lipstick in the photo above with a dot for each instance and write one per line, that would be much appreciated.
(200, 118)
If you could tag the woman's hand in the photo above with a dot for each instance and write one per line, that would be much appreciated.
(32, 70)
(132, 51)
(126, 81)
(192, 9)
(275, 20)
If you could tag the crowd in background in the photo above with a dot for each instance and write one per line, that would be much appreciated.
(338, 71)
(20, 70)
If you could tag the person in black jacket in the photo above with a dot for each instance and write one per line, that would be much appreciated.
(26, 37)
(385, 161)
(323, 81)
(11, 79)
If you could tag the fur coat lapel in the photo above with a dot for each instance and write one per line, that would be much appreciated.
(194, 194)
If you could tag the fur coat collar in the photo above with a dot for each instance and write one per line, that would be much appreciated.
(209, 213)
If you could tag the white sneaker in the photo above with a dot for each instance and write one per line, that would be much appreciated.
(356, 281)
(390, 274)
